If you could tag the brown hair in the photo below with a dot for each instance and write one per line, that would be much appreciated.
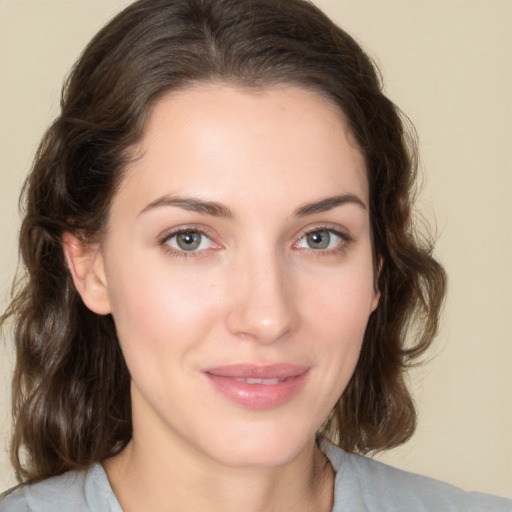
(71, 399)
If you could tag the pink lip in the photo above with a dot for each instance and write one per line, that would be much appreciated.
(290, 380)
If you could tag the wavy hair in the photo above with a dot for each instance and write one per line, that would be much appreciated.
(71, 398)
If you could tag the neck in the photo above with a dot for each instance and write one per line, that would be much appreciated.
(162, 480)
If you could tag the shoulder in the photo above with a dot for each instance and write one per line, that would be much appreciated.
(366, 484)
(75, 491)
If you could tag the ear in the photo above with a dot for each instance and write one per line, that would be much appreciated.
(376, 291)
(85, 263)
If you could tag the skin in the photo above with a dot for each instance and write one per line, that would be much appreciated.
(255, 291)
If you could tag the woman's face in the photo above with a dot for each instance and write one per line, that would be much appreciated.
(237, 264)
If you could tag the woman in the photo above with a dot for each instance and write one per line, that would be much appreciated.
(222, 270)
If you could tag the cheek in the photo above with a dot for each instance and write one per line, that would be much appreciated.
(337, 316)
(342, 301)
(158, 310)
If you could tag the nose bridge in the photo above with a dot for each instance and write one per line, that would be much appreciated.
(262, 300)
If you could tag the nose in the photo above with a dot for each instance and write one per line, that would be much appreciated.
(262, 301)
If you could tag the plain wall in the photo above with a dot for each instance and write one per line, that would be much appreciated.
(447, 65)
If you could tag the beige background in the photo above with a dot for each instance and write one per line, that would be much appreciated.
(447, 64)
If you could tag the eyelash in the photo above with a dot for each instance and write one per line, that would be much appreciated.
(344, 243)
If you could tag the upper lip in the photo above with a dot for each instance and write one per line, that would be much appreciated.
(273, 371)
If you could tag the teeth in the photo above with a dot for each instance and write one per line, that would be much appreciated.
(251, 380)
(263, 381)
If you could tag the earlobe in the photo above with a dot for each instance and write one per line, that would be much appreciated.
(85, 263)
(375, 300)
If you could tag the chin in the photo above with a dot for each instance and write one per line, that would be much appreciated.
(260, 447)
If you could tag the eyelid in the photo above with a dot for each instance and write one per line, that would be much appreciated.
(168, 233)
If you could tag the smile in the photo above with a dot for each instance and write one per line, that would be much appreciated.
(258, 387)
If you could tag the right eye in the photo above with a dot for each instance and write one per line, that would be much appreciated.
(189, 240)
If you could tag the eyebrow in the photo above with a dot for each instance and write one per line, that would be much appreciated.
(329, 203)
(191, 203)
(215, 209)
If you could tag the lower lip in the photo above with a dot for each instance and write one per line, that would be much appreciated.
(258, 396)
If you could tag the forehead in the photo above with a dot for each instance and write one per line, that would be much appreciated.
(224, 143)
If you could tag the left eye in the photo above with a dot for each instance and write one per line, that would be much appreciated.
(320, 239)
(189, 240)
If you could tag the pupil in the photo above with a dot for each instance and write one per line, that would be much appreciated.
(189, 241)
(319, 240)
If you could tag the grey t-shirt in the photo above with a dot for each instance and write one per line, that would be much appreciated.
(361, 485)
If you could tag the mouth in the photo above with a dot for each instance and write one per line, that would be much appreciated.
(258, 387)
